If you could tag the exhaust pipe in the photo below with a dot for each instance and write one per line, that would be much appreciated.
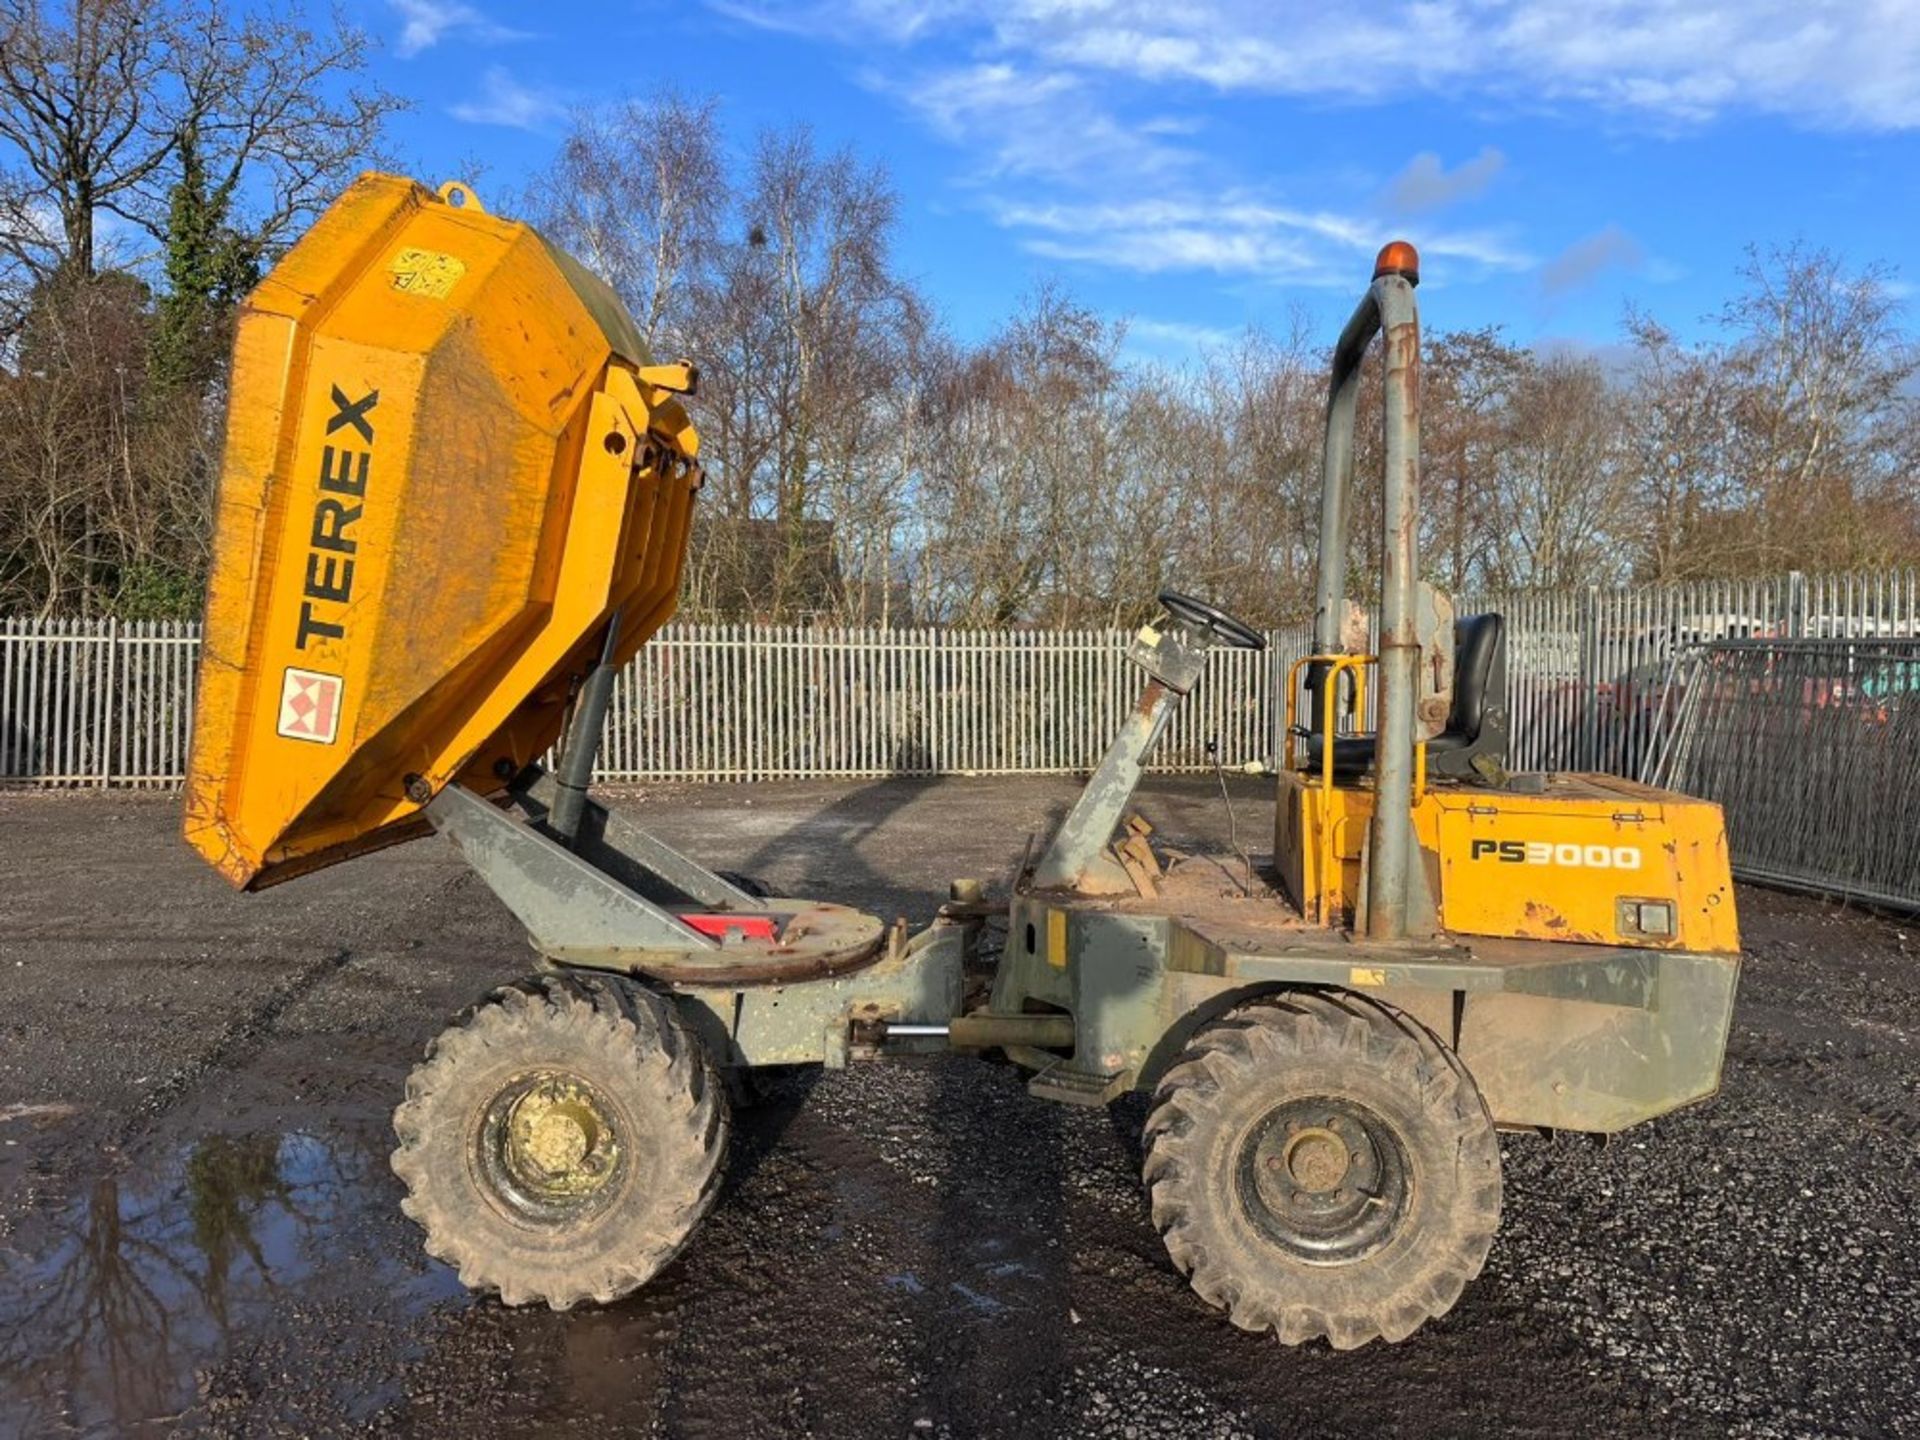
(1388, 305)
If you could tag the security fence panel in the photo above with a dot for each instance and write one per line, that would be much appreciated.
(1810, 746)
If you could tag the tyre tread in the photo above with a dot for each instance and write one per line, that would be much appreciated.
(635, 1029)
(1342, 1028)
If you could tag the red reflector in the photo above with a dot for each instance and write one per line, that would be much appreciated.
(753, 927)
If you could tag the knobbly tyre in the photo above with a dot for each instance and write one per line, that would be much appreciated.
(455, 501)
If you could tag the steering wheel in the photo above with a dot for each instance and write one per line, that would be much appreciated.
(1212, 619)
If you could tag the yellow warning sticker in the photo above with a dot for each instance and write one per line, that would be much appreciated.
(1359, 975)
(426, 273)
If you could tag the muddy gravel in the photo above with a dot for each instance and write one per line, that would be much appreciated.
(200, 1235)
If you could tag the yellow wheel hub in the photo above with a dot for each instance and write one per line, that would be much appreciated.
(558, 1141)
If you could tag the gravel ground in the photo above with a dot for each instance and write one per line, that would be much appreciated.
(199, 1233)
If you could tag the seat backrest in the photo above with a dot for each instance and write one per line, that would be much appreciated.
(1476, 645)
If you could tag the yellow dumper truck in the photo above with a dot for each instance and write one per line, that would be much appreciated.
(455, 500)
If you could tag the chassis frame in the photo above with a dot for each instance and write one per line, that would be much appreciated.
(1096, 990)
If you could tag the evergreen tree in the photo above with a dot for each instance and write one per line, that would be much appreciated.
(208, 267)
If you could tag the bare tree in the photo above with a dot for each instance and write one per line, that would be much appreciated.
(98, 98)
(80, 110)
(1679, 424)
(1020, 498)
(1820, 374)
(637, 193)
(864, 464)
(1467, 380)
(1560, 481)
(104, 495)
(806, 336)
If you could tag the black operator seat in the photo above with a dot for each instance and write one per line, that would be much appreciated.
(1474, 744)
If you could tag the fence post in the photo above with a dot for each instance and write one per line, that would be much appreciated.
(1797, 606)
(103, 759)
(1590, 683)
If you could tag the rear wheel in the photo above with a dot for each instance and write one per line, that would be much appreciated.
(1322, 1165)
(561, 1140)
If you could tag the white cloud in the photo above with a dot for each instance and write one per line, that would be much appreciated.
(505, 101)
(31, 223)
(1619, 359)
(897, 22)
(428, 22)
(1585, 260)
(1175, 343)
(34, 222)
(1843, 63)
(1426, 184)
(1178, 334)
(1831, 63)
(1055, 162)
(1077, 119)
(1018, 122)
(1234, 235)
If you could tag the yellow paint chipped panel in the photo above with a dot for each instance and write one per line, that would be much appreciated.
(1561, 867)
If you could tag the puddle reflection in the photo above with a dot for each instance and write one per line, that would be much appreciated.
(147, 1278)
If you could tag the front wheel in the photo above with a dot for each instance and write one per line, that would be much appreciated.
(1323, 1166)
(561, 1140)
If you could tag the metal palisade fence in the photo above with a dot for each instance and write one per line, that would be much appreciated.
(90, 702)
(743, 702)
(108, 703)
(103, 703)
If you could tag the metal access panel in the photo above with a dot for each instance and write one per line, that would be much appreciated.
(448, 460)
(1592, 859)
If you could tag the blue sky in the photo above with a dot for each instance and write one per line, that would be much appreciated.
(1197, 165)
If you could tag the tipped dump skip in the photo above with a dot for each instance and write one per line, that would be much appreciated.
(448, 460)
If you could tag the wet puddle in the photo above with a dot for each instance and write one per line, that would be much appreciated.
(970, 1278)
(137, 1286)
